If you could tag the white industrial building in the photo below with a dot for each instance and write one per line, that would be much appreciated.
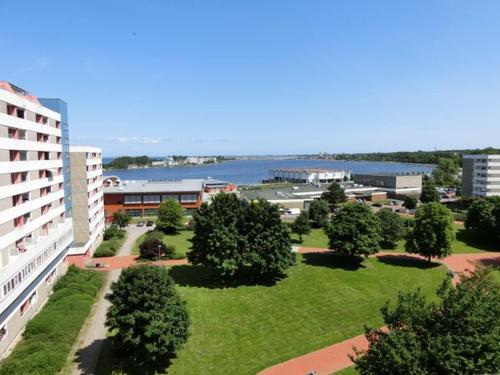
(309, 175)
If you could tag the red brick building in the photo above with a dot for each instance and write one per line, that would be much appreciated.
(142, 198)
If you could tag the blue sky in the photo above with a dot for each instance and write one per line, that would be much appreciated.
(250, 77)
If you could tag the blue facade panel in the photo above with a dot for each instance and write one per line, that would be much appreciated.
(61, 107)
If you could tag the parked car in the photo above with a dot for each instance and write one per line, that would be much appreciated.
(140, 223)
(150, 223)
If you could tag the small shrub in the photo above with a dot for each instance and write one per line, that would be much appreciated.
(410, 203)
(112, 231)
(152, 248)
(105, 252)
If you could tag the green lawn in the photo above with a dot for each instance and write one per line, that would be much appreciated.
(347, 371)
(181, 241)
(466, 242)
(317, 238)
(246, 329)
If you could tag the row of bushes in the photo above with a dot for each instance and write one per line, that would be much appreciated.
(50, 335)
(113, 240)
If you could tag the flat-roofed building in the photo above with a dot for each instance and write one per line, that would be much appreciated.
(481, 175)
(309, 175)
(142, 198)
(301, 196)
(396, 185)
(87, 199)
(35, 205)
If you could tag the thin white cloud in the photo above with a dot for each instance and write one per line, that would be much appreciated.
(144, 140)
(140, 140)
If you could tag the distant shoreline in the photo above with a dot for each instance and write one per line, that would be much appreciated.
(240, 160)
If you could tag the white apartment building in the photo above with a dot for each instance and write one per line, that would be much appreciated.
(481, 175)
(35, 213)
(87, 199)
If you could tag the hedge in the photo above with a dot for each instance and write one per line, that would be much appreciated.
(109, 247)
(50, 335)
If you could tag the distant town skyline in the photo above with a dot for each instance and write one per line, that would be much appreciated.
(249, 78)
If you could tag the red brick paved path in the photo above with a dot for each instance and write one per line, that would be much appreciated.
(335, 357)
(119, 262)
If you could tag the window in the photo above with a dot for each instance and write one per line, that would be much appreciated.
(134, 213)
(29, 302)
(174, 197)
(3, 332)
(189, 198)
(132, 199)
(20, 112)
(151, 212)
(50, 279)
(151, 198)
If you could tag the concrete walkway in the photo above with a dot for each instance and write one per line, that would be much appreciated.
(336, 357)
(94, 335)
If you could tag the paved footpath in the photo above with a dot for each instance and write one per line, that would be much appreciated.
(336, 357)
(92, 340)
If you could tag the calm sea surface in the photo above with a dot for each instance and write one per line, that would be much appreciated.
(254, 171)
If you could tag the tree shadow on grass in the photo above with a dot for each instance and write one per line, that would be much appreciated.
(114, 359)
(491, 262)
(478, 240)
(402, 260)
(85, 357)
(331, 260)
(203, 277)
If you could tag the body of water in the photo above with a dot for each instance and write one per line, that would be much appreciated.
(254, 171)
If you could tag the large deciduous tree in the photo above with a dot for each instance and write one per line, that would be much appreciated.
(458, 335)
(334, 195)
(446, 172)
(354, 231)
(216, 242)
(301, 225)
(267, 241)
(429, 191)
(392, 227)
(433, 231)
(230, 234)
(319, 212)
(170, 217)
(481, 216)
(150, 320)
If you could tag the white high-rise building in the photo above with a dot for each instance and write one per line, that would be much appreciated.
(35, 205)
(481, 175)
(87, 199)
